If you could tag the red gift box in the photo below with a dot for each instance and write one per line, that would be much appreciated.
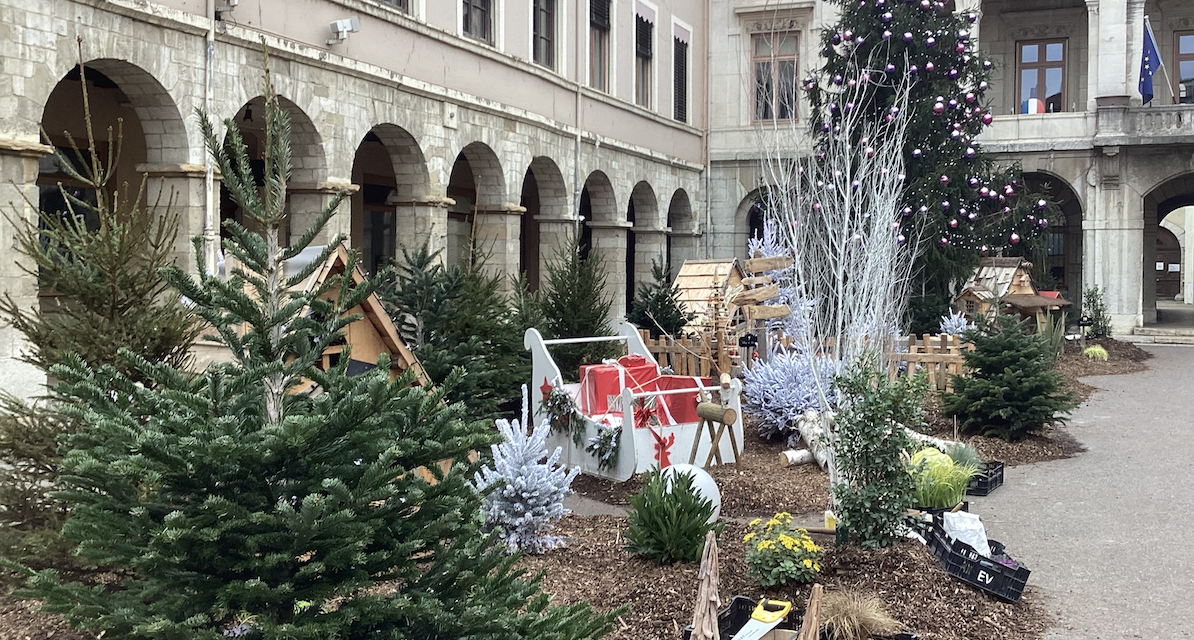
(679, 408)
(600, 381)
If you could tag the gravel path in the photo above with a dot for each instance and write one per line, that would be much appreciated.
(1109, 534)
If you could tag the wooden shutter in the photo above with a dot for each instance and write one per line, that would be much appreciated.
(680, 65)
(642, 38)
(599, 14)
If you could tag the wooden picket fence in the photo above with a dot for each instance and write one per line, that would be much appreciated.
(686, 356)
(938, 355)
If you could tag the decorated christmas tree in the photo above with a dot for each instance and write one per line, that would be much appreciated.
(268, 498)
(956, 200)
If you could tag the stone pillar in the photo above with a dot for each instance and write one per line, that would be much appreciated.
(609, 241)
(1188, 258)
(307, 201)
(649, 245)
(1113, 49)
(422, 221)
(18, 197)
(1113, 243)
(686, 245)
(555, 234)
(1133, 50)
(181, 187)
(498, 234)
(1093, 47)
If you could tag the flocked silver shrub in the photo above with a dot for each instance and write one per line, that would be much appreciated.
(526, 486)
(778, 391)
(954, 324)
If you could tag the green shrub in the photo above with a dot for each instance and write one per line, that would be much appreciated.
(575, 304)
(964, 453)
(940, 482)
(1096, 352)
(870, 446)
(777, 554)
(669, 520)
(1012, 390)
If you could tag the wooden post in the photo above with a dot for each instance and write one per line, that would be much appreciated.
(810, 629)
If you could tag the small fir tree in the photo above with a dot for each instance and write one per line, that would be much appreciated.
(669, 519)
(234, 505)
(1094, 307)
(457, 317)
(99, 253)
(657, 307)
(575, 304)
(526, 486)
(1012, 390)
(777, 392)
(871, 445)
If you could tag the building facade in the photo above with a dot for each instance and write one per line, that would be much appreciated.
(512, 126)
(502, 126)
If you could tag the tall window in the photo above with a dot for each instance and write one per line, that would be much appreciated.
(478, 20)
(774, 62)
(680, 82)
(1184, 67)
(1041, 71)
(401, 5)
(544, 33)
(643, 37)
(599, 44)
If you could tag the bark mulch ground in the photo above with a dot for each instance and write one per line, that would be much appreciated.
(909, 580)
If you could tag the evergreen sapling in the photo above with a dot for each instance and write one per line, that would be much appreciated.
(657, 307)
(526, 486)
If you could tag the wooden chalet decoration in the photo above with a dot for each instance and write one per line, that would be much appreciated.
(372, 334)
(704, 285)
(1008, 280)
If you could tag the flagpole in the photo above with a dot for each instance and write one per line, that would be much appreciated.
(1160, 62)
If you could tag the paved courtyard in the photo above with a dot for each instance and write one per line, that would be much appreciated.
(1110, 533)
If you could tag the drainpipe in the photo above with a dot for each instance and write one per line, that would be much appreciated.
(705, 136)
(576, 187)
(209, 210)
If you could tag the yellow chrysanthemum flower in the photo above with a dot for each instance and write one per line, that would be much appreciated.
(808, 564)
(755, 522)
(748, 537)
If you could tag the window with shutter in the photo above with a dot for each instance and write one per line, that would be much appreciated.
(400, 5)
(680, 83)
(643, 33)
(599, 27)
(599, 14)
(643, 36)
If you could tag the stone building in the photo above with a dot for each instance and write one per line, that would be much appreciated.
(1065, 91)
(508, 126)
(512, 125)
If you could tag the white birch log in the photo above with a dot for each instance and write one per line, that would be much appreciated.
(793, 457)
(930, 440)
(813, 433)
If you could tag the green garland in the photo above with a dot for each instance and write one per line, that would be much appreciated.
(565, 417)
(605, 446)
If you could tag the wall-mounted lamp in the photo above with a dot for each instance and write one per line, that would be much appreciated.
(225, 7)
(341, 29)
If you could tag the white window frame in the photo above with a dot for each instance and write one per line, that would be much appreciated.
(496, 24)
(653, 81)
(676, 22)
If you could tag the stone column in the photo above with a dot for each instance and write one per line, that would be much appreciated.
(1188, 258)
(1113, 242)
(1133, 49)
(650, 244)
(422, 221)
(180, 187)
(307, 201)
(555, 233)
(1093, 47)
(609, 241)
(18, 197)
(498, 234)
(1113, 49)
(686, 245)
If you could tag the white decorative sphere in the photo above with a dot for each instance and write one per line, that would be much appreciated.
(702, 483)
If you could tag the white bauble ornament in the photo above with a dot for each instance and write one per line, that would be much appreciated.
(702, 483)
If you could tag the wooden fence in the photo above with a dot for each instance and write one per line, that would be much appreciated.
(940, 356)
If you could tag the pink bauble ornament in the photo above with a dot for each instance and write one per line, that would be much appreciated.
(953, 223)
(929, 66)
(1014, 238)
(988, 118)
(938, 108)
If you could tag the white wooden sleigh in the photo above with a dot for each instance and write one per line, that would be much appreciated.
(642, 443)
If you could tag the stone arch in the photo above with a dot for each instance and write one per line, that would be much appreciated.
(1171, 194)
(477, 186)
(164, 129)
(645, 238)
(392, 209)
(748, 220)
(489, 182)
(598, 203)
(546, 222)
(681, 237)
(1061, 266)
(603, 231)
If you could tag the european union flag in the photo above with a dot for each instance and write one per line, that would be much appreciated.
(1149, 63)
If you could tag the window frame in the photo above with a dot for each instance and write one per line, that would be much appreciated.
(600, 38)
(1041, 65)
(487, 7)
(543, 47)
(774, 59)
(644, 53)
(1178, 59)
(401, 6)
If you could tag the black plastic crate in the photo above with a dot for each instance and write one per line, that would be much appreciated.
(731, 619)
(961, 561)
(988, 479)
